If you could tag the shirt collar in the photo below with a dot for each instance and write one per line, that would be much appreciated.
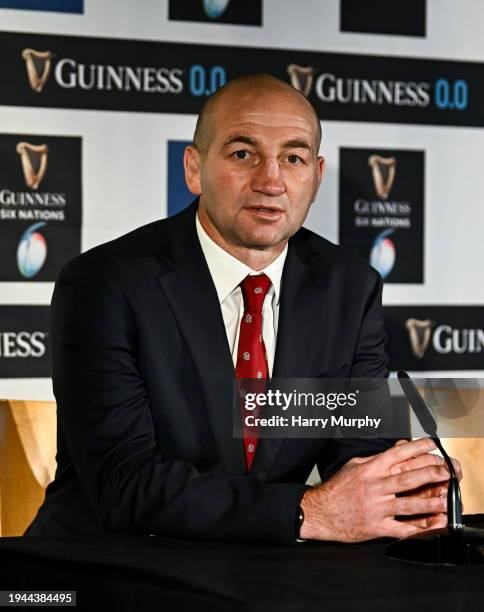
(228, 272)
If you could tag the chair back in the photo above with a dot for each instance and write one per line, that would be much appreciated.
(27, 460)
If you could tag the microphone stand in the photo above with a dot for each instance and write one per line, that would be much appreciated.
(454, 544)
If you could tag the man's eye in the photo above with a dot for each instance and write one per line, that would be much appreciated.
(293, 159)
(241, 154)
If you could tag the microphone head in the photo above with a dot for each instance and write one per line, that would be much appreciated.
(419, 406)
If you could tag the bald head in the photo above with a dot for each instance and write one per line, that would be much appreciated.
(258, 85)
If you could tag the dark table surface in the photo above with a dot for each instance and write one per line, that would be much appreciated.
(119, 572)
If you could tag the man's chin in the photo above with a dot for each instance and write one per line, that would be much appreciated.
(263, 243)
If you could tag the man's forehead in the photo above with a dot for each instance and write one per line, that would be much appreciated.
(275, 119)
(260, 121)
(281, 121)
(261, 108)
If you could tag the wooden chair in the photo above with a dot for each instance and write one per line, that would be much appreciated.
(27, 460)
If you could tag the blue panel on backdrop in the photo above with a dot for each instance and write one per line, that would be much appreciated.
(178, 195)
(59, 6)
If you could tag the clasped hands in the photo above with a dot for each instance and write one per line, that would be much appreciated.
(362, 500)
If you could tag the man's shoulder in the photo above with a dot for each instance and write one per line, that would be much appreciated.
(321, 253)
(142, 248)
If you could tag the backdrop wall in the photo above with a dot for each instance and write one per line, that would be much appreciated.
(98, 99)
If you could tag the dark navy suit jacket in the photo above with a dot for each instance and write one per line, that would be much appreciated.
(143, 376)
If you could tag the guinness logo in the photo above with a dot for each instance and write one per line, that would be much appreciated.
(383, 171)
(301, 78)
(34, 162)
(419, 333)
(38, 65)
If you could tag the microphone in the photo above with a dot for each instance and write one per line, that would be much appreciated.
(455, 544)
(429, 425)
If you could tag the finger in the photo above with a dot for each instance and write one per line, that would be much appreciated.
(417, 462)
(438, 521)
(423, 522)
(431, 521)
(430, 490)
(399, 529)
(414, 479)
(424, 460)
(405, 506)
(458, 468)
(438, 490)
(399, 442)
(402, 452)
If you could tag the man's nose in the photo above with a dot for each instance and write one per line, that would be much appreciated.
(267, 178)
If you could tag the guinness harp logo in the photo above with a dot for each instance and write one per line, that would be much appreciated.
(34, 162)
(38, 65)
(383, 171)
(301, 78)
(419, 334)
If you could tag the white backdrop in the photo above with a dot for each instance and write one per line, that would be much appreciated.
(124, 154)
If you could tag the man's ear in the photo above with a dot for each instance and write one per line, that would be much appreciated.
(321, 168)
(320, 173)
(192, 163)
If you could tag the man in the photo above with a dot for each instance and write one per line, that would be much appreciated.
(147, 331)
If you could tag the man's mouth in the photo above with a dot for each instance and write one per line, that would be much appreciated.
(266, 211)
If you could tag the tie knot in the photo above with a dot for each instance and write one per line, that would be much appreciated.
(254, 290)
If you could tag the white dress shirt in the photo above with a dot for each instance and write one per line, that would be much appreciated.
(227, 274)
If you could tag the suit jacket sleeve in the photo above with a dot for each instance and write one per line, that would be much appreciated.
(370, 361)
(105, 420)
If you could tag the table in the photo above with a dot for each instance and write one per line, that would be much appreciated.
(122, 572)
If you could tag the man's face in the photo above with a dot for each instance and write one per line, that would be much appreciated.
(260, 172)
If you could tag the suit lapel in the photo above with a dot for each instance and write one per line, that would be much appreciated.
(188, 287)
(299, 329)
(190, 291)
(300, 319)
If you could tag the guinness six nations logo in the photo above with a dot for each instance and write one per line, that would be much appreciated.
(40, 205)
(381, 210)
